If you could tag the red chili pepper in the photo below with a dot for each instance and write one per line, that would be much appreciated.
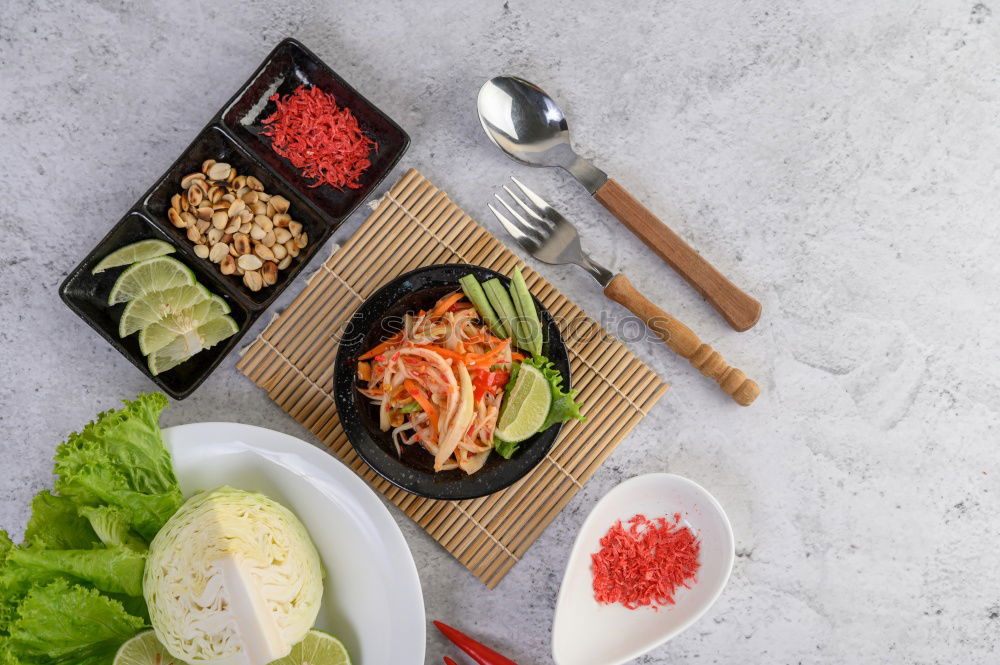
(480, 382)
(449, 661)
(478, 652)
(483, 381)
(500, 378)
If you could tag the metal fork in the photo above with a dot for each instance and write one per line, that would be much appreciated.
(552, 238)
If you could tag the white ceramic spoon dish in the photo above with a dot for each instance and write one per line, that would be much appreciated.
(371, 597)
(587, 633)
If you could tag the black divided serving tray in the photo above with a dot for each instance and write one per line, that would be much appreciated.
(233, 136)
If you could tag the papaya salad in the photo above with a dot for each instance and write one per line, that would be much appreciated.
(466, 377)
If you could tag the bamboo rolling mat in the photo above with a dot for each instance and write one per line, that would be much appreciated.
(415, 225)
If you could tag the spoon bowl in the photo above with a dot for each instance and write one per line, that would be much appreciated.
(530, 128)
(587, 633)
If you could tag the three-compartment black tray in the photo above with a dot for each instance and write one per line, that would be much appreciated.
(234, 136)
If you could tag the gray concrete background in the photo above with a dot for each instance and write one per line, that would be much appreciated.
(837, 159)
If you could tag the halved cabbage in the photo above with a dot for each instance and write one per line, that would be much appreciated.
(232, 579)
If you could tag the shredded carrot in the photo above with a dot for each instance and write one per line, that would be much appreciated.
(488, 358)
(425, 404)
(384, 346)
(448, 354)
(516, 357)
(445, 304)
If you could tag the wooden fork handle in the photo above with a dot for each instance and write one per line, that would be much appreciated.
(738, 309)
(683, 341)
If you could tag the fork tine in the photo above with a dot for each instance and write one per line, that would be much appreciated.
(546, 224)
(525, 240)
(539, 202)
(526, 227)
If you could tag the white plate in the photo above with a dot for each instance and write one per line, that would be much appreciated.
(372, 599)
(587, 633)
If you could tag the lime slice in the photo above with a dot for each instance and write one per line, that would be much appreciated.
(527, 405)
(163, 272)
(150, 308)
(184, 346)
(222, 303)
(318, 648)
(157, 335)
(144, 649)
(137, 251)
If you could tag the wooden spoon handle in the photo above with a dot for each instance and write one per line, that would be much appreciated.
(738, 309)
(683, 341)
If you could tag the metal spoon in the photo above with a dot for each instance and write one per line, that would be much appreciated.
(527, 125)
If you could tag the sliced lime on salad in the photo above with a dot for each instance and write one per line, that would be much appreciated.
(163, 272)
(184, 346)
(150, 308)
(137, 251)
(318, 648)
(526, 406)
(157, 335)
(144, 649)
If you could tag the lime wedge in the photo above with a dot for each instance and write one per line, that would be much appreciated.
(144, 649)
(161, 273)
(318, 648)
(157, 335)
(150, 308)
(526, 406)
(184, 346)
(137, 251)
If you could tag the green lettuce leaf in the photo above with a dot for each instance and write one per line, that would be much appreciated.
(505, 449)
(119, 459)
(115, 570)
(66, 624)
(56, 524)
(71, 594)
(6, 656)
(111, 525)
(12, 587)
(563, 406)
(134, 605)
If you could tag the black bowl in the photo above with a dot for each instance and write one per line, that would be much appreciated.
(379, 317)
